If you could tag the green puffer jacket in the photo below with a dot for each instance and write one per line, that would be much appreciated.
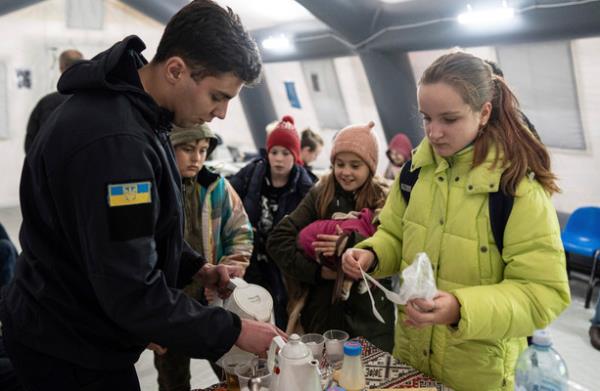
(503, 298)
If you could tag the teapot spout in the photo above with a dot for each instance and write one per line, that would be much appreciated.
(315, 377)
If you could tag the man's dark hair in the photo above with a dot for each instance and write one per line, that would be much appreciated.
(211, 40)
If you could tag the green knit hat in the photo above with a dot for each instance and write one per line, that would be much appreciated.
(197, 132)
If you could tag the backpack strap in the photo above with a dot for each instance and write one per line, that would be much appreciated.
(407, 180)
(500, 205)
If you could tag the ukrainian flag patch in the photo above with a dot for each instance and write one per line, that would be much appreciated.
(126, 194)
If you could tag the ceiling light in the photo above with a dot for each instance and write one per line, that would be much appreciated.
(487, 16)
(277, 43)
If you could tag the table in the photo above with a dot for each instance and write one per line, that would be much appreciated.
(382, 370)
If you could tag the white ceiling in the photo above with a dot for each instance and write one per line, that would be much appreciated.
(257, 14)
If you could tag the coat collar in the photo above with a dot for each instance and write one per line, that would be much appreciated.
(482, 179)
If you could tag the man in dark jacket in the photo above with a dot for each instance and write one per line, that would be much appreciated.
(102, 229)
(50, 102)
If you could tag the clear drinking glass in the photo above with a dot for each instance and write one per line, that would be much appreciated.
(229, 363)
(316, 343)
(256, 368)
(334, 347)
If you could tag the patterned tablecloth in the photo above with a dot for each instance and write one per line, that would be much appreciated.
(382, 371)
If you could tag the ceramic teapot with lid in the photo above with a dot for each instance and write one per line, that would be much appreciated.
(292, 366)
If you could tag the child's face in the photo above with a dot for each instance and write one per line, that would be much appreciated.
(281, 161)
(350, 171)
(450, 123)
(191, 156)
(396, 157)
(309, 156)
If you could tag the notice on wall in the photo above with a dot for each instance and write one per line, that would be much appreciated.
(290, 89)
(23, 78)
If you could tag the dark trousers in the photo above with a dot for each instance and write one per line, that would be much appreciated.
(8, 377)
(38, 371)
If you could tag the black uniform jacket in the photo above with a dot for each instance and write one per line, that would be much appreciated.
(102, 232)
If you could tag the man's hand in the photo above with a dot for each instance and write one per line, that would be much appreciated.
(354, 259)
(217, 277)
(256, 336)
(236, 260)
(443, 309)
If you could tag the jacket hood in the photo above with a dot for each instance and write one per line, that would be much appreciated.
(114, 69)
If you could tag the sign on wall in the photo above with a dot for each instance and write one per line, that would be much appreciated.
(290, 89)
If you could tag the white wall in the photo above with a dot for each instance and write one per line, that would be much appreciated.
(33, 38)
(356, 94)
(578, 172)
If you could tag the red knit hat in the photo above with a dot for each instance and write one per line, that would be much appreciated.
(285, 135)
(401, 144)
(360, 140)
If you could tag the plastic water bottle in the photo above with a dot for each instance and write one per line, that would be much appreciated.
(541, 368)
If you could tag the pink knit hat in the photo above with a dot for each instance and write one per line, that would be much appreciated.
(401, 144)
(360, 140)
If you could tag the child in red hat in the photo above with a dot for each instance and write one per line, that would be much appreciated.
(271, 187)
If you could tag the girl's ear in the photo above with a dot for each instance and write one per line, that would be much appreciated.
(485, 113)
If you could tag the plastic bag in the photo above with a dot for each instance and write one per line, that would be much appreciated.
(417, 280)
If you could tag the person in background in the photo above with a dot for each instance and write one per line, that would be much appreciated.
(270, 188)
(48, 103)
(470, 335)
(216, 226)
(311, 144)
(8, 257)
(351, 186)
(399, 151)
(595, 327)
(103, 255)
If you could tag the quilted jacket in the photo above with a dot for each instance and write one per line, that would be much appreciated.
(503, 298)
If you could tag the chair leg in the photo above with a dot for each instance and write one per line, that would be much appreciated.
(591, 284)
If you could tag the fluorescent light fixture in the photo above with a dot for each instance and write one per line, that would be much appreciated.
(277, 43)
(488, 16)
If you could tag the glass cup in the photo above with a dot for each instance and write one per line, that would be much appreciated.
(316, 343)
(229, 363)
(256, 368)
(334, 347)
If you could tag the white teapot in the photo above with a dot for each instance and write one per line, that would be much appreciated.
(293, 367)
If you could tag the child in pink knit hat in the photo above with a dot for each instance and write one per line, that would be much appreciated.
(399, 152)
(351, 186)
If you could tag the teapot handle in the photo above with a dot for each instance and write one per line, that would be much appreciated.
(276, 345)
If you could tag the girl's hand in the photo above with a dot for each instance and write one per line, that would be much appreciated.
(326, 243)
(443, 309)
(328, 274)
(352, 258)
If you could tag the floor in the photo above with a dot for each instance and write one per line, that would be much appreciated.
(569, 333)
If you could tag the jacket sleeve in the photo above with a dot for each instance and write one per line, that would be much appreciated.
(236, 231)
(387, 240)
(126, 273)
(535, 287)
(282, 245)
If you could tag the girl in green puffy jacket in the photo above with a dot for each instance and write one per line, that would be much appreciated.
(471, 333)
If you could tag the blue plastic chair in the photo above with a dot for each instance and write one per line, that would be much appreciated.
(582, 236)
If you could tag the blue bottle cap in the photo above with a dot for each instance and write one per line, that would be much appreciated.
(352, 348)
